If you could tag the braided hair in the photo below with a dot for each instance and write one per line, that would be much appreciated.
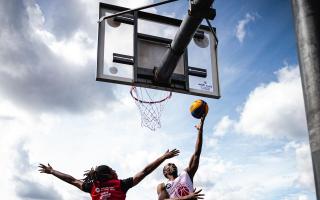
(100, 172)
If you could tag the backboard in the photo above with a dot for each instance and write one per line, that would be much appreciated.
(131, 47)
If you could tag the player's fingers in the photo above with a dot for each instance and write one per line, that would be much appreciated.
(174, 154)
(197, 192)
(175, 151)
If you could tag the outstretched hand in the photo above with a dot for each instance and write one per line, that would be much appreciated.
(195, 195)
(200, 125)
(45, 169)
(169, 154)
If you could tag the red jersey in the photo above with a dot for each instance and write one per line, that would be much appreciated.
(108, 189)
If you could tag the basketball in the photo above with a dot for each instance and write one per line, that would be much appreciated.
(199, 108)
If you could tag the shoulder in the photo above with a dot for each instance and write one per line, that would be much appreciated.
(87, 186)
(161, 187)
(162, 192)
(126, 184)
(186, 172)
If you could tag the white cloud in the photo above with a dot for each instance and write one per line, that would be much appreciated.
(223, 126)
(48, 72)
(276, 109)
(304, 167)
(78, 49)
(273, 110)
(241, 26)
(258, 177)
(212, 169)
(244, 182)
(303, 197)
(26, 187)
(297, 197)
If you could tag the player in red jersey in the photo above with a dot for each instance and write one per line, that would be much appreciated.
(102, 182)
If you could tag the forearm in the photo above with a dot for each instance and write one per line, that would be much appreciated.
(152, 166)
(65, 177)
(195, 158)
(147, 170)
(198, 146)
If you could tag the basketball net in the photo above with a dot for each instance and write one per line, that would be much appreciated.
(150, 104)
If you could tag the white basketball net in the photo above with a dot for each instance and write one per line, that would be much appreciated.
(150, 104)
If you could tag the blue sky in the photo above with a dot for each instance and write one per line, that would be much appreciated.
(52, 109)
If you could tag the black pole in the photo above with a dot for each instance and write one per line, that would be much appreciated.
(307, 24)
(200, 9)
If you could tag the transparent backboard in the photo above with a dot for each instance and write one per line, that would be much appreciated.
(131, 46)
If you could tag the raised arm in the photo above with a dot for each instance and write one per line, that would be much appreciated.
(195, 158)
(152, 166)
(65, 177)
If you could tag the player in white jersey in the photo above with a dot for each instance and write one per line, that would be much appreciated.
(180, 187)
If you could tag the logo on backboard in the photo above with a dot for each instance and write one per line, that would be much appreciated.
(205, 86)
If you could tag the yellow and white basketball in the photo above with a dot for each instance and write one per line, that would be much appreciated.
(199, 108)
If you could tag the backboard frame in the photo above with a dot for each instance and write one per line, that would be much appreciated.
(178, 84)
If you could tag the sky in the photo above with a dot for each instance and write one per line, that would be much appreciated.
(52, 110)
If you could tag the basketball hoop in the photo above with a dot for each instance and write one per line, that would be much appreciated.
(150, 104)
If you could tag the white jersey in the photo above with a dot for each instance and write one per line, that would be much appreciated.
(181, 186)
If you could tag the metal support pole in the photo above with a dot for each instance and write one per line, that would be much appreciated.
(307, 24)
(182, 38)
